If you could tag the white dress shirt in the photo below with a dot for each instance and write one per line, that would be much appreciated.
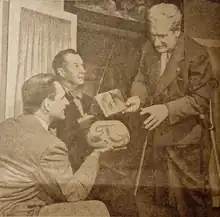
(163, 62)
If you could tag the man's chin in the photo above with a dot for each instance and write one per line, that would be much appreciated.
(81, 82)
(162, 50)
(62, 117)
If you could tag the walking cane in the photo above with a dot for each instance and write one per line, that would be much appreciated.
(140, 166)
(212, 134)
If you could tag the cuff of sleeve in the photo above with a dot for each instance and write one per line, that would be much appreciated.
(139, 89)
(95, 154)
(172, 107)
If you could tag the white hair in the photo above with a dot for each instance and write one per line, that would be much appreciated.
(168, 12)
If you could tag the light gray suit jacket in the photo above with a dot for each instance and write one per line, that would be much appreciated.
(35, 169)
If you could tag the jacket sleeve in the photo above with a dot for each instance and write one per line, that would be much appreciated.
(68, 128)
(138, 86)
(57, 178)
(196, 100)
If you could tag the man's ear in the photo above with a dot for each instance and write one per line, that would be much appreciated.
(61, 72)
(177, 33)
(46, 104)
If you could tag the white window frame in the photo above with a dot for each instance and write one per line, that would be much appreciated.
(13, 42)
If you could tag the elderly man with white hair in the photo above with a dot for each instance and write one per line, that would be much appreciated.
(173, 88)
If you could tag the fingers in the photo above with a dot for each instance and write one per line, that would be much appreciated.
(133, 100)
(151, 124)
(155, 125)
(128, 103)
(149, 119)
(119, 149)
(130, 109)
(157, 114)
(132, 106)
(102, 150)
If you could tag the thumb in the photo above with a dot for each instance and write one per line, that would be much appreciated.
(129, 102)
(145, 110)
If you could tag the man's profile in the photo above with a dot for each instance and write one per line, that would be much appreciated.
(36, 175)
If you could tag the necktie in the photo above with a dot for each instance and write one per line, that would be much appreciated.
(163, 62)
(78, 103)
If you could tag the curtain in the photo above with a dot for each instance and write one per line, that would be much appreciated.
(4, 16)
(41, 37)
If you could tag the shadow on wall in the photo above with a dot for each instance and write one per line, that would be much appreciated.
(202, 19)
(120, 66)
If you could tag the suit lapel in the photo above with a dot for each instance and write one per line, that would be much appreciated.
(86, 102)
(32, 123)
(172, 69)
(72, 107)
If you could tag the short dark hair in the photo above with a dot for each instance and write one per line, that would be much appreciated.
(35, 90)
(59, 60)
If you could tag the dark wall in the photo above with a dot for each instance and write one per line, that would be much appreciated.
(113, 54)
(97, 34)
(108, 44)
(202, 19)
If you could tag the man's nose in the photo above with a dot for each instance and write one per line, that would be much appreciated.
(157, 42)
(66, 102)
(82, 70)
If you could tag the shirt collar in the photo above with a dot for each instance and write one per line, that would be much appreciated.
(76, 94)
(42, 122)
(75, 90)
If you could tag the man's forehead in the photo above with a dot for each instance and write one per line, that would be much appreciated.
(73, 58)
(160, 27)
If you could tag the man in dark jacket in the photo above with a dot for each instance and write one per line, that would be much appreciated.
(113, 187)
(173, 83)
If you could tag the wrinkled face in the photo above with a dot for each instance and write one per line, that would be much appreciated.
(73, 69)
(57, 106)
(164, 39)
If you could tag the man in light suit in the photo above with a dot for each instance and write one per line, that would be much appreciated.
(173, 84)
(36, 175)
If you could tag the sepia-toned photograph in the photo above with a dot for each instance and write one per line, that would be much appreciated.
(111, 102)
(110, 108)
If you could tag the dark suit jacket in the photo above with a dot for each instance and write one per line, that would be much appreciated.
(112, 183)
(185, 89)
(35, 170)
(69, 131)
